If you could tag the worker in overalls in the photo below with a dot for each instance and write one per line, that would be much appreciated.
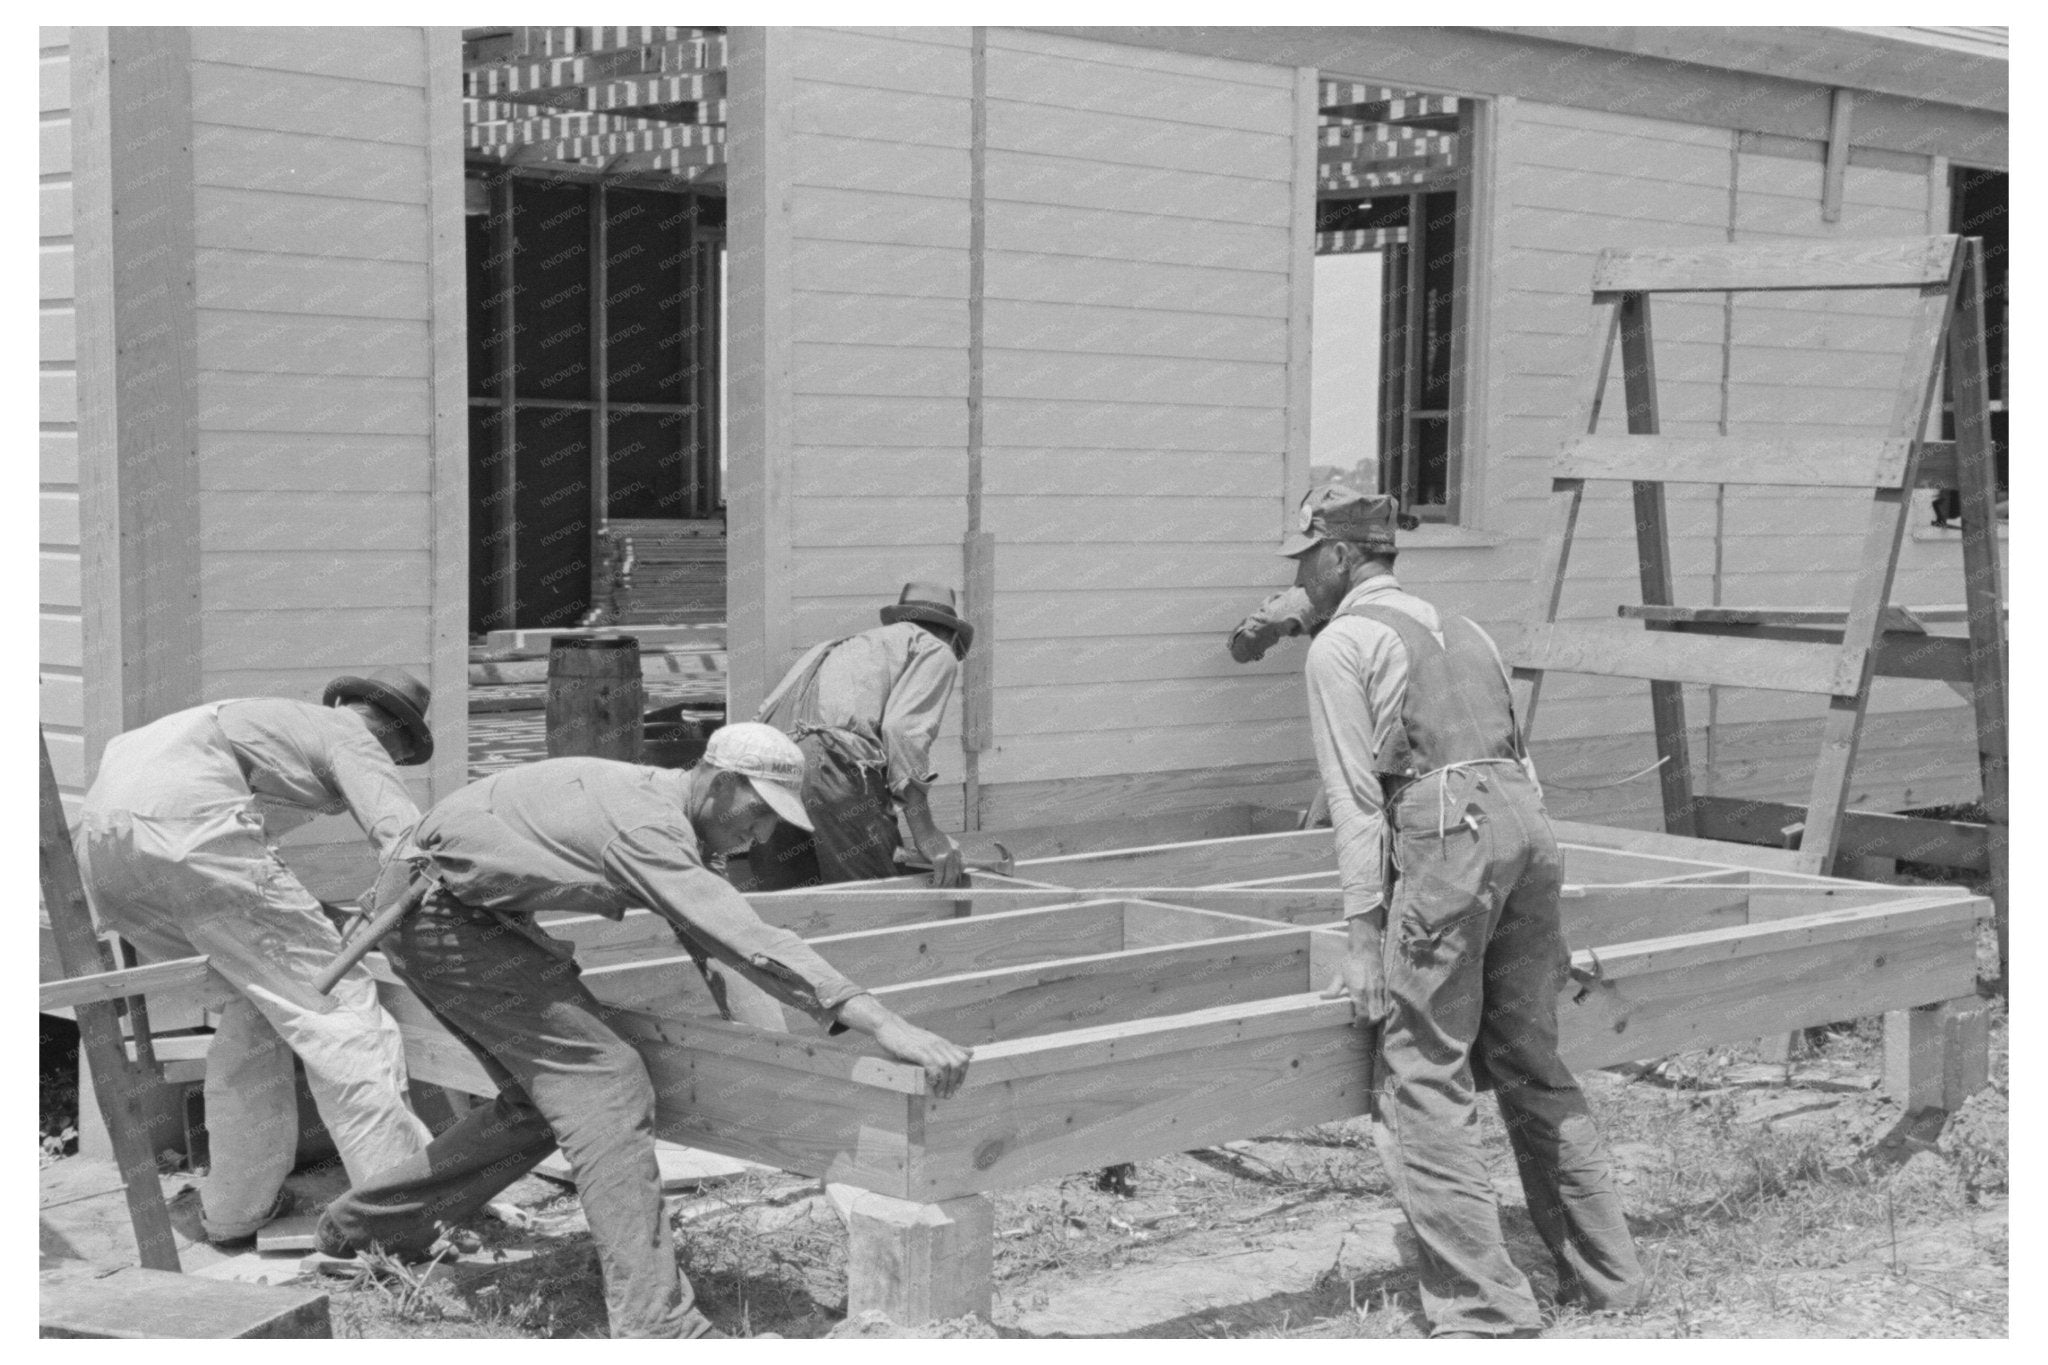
(175, 846)
(1459, 966)
(592, 836)
(864, 710)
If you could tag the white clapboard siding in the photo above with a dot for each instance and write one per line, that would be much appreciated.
(61, 661)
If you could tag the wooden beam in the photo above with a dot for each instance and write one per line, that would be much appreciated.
(1768, 665)
(185, 973)
(1877, 263)
(1577, 834)
(1866, 463)
(1207, 862)
(1837, 166)
(1865, 834)
(1895, 618)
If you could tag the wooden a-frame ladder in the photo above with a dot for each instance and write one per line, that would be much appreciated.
(1822, 653)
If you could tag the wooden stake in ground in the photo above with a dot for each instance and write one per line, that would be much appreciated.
(118, 1083)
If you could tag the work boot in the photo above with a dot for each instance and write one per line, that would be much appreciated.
(328, 1240)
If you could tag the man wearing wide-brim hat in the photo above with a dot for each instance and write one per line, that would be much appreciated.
(864, 709)
(175, 844)
(1451, 879)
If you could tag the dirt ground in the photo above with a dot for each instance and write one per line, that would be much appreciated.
(1764, 1207)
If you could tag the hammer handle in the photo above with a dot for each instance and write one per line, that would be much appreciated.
(382, 923)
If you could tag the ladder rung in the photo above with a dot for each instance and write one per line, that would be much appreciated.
(1867, 463)
(1878, 264)
(1662, 656)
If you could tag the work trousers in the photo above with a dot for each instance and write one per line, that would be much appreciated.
(1474, 959)
(564, 1079)
(179, 887)
(847, 798)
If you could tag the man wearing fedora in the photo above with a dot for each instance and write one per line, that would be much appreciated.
(595, 837)
(1451, 878)
(176, 848)
(864, 709)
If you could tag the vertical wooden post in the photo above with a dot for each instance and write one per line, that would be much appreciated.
(1983, 577)
(119, 1085)
(920, 1263)
(977, 725)
(1653, 549)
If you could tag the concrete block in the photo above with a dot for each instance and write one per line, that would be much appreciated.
(81, 1299)
(920, 1263)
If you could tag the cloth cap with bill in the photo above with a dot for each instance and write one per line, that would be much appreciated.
(1335, 512)
(769, 759)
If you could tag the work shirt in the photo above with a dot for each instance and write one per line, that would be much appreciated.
(1357, 675)
(888, 687)
(289, 760)
(595, 836)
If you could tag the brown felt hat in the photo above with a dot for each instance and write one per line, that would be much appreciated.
(399, 695)
(935, 605)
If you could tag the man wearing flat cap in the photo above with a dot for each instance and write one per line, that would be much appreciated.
(864, 710)
(175, 845)
(1451, 878)
(591, 836)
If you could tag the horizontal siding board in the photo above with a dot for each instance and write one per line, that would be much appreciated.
(853, 520)
(57, 396)
(272, 281)
(53, 210)
(1134, 426)
(57, 335)
(61, 638)
(1106, 329)
(54, 272)
(867, 215)
(312, 403)
(284, 343)
(59, 456)
(1102, 78)
(285, 580)
(322, 226)
(294, 163)
(394, 56)
(314, 521)
(823, 104)
(1145, 143)
(1153, 749)
(876, 268)
(882, 421)
(58, 523)
(67, 757)
(1068, 231)
(878, 320)
(53, 82)
(53, 146)
(286, 462)
(59, 581)
(816, 159)
(1532, 116)
(881, 61)
(1049, 178)
(1133, 379)
(323, 638)
(308, 103)
(1137, 284)
(61, 700)
(880, 371)
(1239, 576)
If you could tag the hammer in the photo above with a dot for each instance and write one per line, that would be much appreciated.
(1003, 866)
(367, 936)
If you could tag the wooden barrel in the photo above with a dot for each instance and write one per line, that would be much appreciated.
(595, 697)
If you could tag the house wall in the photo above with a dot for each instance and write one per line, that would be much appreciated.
(1144, 277)
(61, 598)
(294, 494)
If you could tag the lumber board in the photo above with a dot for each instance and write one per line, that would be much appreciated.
(1942, 911)
(1894, 618)
(1207, 862)
(888, 957)
(1899, 654)
(1865, 834)
(1856, 264)
(1657, 1012)
(1718, 853)
(1768, 665)
(1585, 864)
(1870, 462)
(1116, 987)
(183, 974)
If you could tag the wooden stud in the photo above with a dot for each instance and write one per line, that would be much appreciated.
(449, 508)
